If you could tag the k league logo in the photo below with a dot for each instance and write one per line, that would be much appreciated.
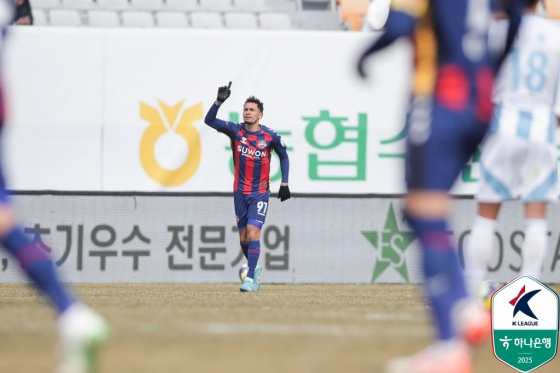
(525, 324)
(521, 303)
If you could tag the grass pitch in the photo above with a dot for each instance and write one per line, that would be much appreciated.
(215, 328)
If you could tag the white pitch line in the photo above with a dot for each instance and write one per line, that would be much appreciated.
(394, 317)
(289, 330)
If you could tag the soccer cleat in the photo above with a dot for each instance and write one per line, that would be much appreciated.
(441, 357)
(257, 284)
(473, 321)
(81, 332)
(247, 285)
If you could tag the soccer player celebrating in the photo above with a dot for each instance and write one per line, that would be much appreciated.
(252, 145)
(450, 112)
(519, 157)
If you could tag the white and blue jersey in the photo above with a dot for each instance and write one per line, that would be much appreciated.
(526, 93)
(519, 156)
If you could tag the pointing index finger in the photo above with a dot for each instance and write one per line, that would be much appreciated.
(229, 86)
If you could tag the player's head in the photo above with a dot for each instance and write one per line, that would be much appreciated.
(252, 110)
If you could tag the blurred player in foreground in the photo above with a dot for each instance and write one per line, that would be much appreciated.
(519, 156)
(252, 145)
(450, 113)
(80, 328)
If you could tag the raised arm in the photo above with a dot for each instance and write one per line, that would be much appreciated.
(211, 120)
(399, 24)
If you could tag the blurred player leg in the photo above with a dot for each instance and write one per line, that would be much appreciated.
(81, 330)
(444, 285)
(436, 154)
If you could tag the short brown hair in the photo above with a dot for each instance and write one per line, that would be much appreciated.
(255, 100)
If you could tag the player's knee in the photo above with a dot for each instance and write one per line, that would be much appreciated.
(7, 222)
(253, 233)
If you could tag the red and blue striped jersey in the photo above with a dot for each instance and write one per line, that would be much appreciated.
(251, 153)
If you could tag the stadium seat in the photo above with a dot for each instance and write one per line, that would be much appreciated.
(353, 12)
(172, 19)
(206, 20)
(275, 21)
(182, 4)
(250, 5)
(79, 4)
(216, 5)
(65, 17)
(45, 4)
(242, 21)
(39, 17)
(113, 4)
(103, 18)
(147, 4)
(137, 19)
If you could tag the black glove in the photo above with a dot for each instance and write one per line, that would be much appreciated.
(223, 93)
(284, 193)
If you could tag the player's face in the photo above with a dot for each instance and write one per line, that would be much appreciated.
(251, 113)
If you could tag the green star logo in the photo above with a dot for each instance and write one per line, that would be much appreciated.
(393, 245)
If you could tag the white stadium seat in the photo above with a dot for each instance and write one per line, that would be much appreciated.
(275, 21)
(39, 17)
(65, 17)
(206, 20)
(103, 18)
(45, 4)
(243, 21)
(250, 5)
(147, 4)
(216, 5)
(113, 4)
(79, 4)
(182, 4)
(137, 19)
(172, 19)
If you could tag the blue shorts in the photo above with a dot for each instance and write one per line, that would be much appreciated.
(440, 142)
(250, 209)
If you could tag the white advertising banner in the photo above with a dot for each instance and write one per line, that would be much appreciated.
(305, 240)
(122, 109)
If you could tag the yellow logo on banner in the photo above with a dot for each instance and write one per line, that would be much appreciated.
(173, 127)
